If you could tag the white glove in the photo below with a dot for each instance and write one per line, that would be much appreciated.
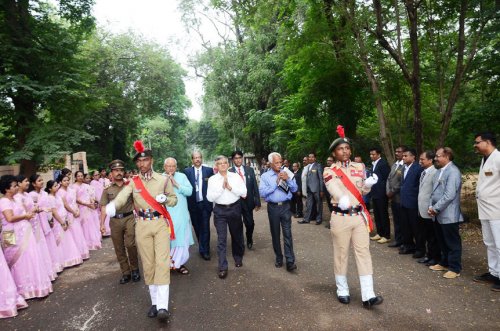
(161, 198)
(344, 203)
(370, 181)
(111, 209)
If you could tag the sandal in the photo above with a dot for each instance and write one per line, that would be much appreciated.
(183, 270)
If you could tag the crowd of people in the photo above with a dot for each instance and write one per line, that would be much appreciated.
(46, 228)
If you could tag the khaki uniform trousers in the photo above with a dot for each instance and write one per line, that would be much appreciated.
(153, 242)
(347, 230)
(123, 237)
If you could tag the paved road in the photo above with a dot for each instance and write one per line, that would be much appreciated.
(260, 297)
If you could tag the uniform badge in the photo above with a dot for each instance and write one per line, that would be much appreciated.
(488, 172)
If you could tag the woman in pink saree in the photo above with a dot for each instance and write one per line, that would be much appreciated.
(68, 196)
(19, 244)
(99, 187)
(70, 254)
(39, 197)
(29, 205)
(88, 214)
(10, 300)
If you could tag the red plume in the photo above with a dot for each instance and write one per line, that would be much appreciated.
(340, 131)
(139, 146)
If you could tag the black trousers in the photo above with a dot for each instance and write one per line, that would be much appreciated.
(280, 218)
(224, 218)
(433, 251)
(296, 205)
(200, 218)
(313, 202)
(247, 214)
(448, 237)
(381, 213)
(413, 235)
(396, 220)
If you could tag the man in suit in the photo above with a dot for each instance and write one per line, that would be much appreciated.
(444, 206)
(314, 184)
(413, 241)
(380, 167)
(199, 207)
(297, 206)
(433, 253)
(252, 199)
(392, 189)
(488, 203)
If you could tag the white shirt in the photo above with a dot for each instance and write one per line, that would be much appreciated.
(375, 163)
(198, 187)
(216, 193)
(242, 170)
(407, 168)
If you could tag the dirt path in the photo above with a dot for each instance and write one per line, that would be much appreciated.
(260, 297)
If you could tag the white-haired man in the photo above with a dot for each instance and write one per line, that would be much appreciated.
(276, 187)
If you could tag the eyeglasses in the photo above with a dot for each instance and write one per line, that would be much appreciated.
(478, 142)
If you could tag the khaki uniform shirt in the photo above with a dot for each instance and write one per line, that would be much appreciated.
(156, 185)
(356, 174)
(111, 192)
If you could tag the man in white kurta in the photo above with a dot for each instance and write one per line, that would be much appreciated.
(488, 204)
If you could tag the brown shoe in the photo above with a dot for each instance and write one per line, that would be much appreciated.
(451, 275)
(438, 267)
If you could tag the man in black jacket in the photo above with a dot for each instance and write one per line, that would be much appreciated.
(297, 206)
(252, 199)
(379, 198)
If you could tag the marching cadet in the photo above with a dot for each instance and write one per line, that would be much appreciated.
(122, 225)
(150, 192)
(350, 222)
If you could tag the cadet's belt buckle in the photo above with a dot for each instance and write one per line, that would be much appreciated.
(119, 216)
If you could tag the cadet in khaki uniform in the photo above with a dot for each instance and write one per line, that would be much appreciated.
(349, 223)
(151, 230)
(122, 225)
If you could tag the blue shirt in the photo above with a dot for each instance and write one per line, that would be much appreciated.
(269, 188)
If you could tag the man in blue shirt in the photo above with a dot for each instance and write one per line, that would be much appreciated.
(276, 187)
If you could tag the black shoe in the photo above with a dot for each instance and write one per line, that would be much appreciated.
(290, 266)
(278, 264)
(222, 274)
(303, 222)
(319, 222)
(395, 244)
(249, 244)
(152, 313)
(423, 260)
(406, 251)
(496, 286)
(238, 264)
(136, 276)
(125, 279)
(485, 278)
(418, 255)
(163, 315)
(431, 262)
(373, 302)
(345, 299)
(205, 257)
(327, 225)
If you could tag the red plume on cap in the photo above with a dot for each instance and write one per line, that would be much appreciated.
(139, 146)
(340, 131)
